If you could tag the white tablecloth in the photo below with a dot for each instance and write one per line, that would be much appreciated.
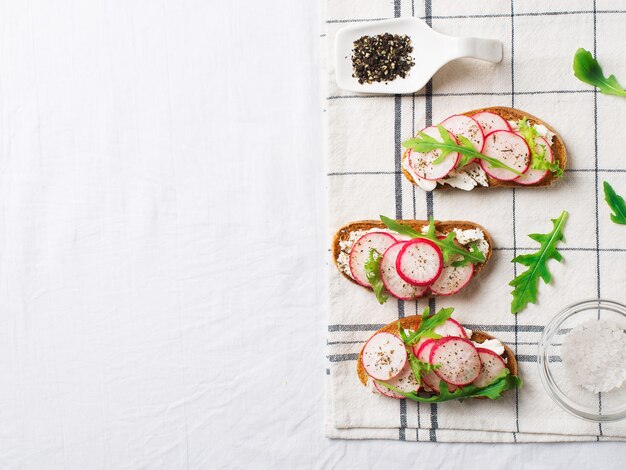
(364, 134)
(162, 244)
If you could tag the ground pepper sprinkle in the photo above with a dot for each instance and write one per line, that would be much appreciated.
(381, 58)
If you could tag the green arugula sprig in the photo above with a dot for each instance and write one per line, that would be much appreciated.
(538, 156)
(588, 70)
(505, 381)
(424, 330)
(448, 247)
(419, 367)
(616, 203)
(372, 272)
(526, 284)
(427, 326)
(424, 143)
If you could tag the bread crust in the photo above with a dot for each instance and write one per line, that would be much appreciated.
(412, 323)
(511, 114)
(441, 226)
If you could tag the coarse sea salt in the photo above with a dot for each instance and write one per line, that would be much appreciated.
(594, 355)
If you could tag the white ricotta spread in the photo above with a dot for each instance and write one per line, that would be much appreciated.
(343, 259)
(492, 344)
(466, 178)
(426, 185)
(467, 236)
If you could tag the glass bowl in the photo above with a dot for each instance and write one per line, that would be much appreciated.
(598, 407)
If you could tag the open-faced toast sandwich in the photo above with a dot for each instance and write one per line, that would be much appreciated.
(488, 147)
(432, 358)
(411, 259)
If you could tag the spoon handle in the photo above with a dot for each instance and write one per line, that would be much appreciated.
(480, 48)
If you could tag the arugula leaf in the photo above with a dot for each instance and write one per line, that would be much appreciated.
(402, 229)
(526, 283)
(428, 324)
(448, 247)
(538, 158)
(372, 272)
(419, 367)
(616, 203)
(505, 381)
(588, 70)
(424, 143)
(424, 330)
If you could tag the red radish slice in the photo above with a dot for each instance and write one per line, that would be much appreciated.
(426, 185)
(404, 381)
(509, 148)
(383, 356)
(422, 163)
(452, 279)
(360, 253)
(418, 347)
(394, 284)
(459, 124)
(387, 391)
(493, 365)
(533, 176)
(430, 379)
(423, 349)
(460, 362)
(451, 328)
(419, 262)
(490, 122)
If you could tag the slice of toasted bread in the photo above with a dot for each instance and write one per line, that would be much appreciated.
(443, 227)
(412, 323)
(512, 114)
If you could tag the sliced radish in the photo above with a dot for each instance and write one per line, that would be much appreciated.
(466, 126)
(404, 381)
(426, 185)
(423, 349)
(394, 284)
(418, 347)
(422, 163)
(360, 253)
(459, 359)
(451, 328)
(387, 391)
(419, 262)
(452, 279)
(383, 356)
(490, 122)
(509, 148)
(493, 365)
(533, 176)
(430, 379)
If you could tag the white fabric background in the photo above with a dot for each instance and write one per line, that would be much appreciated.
(162, 244)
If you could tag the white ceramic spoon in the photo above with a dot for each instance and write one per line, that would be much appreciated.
(431, 51)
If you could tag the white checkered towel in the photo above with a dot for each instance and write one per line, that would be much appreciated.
(364, 135)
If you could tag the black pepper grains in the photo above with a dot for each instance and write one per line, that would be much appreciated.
(381, 58)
